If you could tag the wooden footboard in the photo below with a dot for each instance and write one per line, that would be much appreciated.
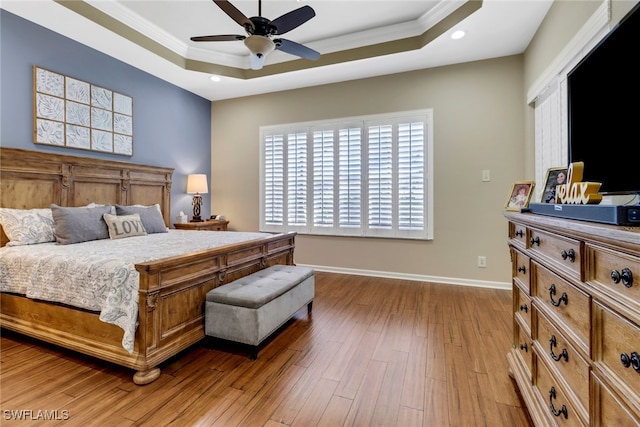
(171, 306)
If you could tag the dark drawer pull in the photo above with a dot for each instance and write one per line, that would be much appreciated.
(626, 276)
(563, 298)
(523, 307)
(633, 361)
(554, 411)
(564, 355)
(519, 233)
(522, 269)
(570, 254)
(535, 241)
(524, 347)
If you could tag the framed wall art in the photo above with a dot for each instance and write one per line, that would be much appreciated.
(520, 195)
(73, 113)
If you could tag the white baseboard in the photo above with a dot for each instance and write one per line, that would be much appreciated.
(414, 277)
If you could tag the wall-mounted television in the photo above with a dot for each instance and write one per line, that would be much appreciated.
(604, 109)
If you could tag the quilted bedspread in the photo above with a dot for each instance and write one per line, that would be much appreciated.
(100, 275)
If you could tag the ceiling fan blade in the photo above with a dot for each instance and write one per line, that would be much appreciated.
(220, 38)
(297, 49)
(234, 13)
(293, 19)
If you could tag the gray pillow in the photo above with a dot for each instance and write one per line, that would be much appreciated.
(150, 216)
(75, 225)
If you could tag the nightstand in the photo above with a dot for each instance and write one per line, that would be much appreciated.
(208, 225)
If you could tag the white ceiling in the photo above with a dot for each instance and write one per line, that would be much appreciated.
(498, 28)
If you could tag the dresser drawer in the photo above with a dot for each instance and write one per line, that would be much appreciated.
(522, 307)
(563, 253)
(567, 305)
(518, 234)
(562, 357)
(552, 397)
(615, 274)
(521, 269)
(524, 348)
(616, 349)
(608, 408)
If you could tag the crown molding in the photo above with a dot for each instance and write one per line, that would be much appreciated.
(115, 17)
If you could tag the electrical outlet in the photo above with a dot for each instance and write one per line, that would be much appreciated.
(482, 261)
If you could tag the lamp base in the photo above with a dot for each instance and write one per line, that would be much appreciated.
(197, 201)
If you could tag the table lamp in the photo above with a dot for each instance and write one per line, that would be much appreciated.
(197, 183)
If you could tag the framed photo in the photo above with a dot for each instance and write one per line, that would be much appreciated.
(520, 195)
(555, 177)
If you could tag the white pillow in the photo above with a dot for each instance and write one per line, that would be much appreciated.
(27, 226)
(121, 226)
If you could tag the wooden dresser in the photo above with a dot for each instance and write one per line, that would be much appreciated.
(576, 317)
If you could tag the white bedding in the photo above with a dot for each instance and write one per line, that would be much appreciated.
(99, 275)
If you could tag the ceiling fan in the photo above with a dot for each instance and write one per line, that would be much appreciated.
(263, 34)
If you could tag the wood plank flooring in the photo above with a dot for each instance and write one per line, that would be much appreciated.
(374, 352)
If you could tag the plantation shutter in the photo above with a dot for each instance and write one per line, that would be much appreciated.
(273, 176)
(358, 177)
(297, 179)
(350, 178)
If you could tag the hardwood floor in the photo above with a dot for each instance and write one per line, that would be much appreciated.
(374, 352)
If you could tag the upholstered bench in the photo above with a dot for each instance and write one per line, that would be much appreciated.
(250, 309)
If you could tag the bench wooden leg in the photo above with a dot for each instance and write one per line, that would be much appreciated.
(310, 307)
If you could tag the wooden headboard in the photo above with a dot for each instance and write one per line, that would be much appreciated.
(36, 179)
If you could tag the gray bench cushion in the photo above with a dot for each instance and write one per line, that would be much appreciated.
(261, 287)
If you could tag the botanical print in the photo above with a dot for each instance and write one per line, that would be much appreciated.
(101, 97)
(48, 132)
(123, 124)
(50, 83)
(78, 114)
(122, 144)
(77, 90)
(78, 137)
(122, 104)
(101, 119)
(49, 107)
(102, 141)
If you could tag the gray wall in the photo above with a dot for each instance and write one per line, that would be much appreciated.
(172, 127)
(478, 124)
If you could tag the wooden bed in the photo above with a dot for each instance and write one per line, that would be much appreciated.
(172, 290)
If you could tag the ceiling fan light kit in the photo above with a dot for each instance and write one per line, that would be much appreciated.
(259, 45)
(260, 31)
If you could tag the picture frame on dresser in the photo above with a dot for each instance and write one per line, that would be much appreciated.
(555, 176)
(520, 195)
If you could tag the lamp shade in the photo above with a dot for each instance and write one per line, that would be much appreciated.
(197, 183)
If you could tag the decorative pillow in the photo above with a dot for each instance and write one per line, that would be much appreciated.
(124, 226)
(27, 226)
(75, 225)
(150, 216)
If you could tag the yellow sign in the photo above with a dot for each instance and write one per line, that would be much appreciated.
(576, 192)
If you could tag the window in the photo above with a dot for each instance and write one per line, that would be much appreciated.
(366, 176)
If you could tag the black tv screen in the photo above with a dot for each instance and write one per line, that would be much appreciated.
(604, 109)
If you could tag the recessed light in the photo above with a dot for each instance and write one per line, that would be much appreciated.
(458, 34)
(214, 78)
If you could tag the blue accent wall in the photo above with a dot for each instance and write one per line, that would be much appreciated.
(171, 126)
